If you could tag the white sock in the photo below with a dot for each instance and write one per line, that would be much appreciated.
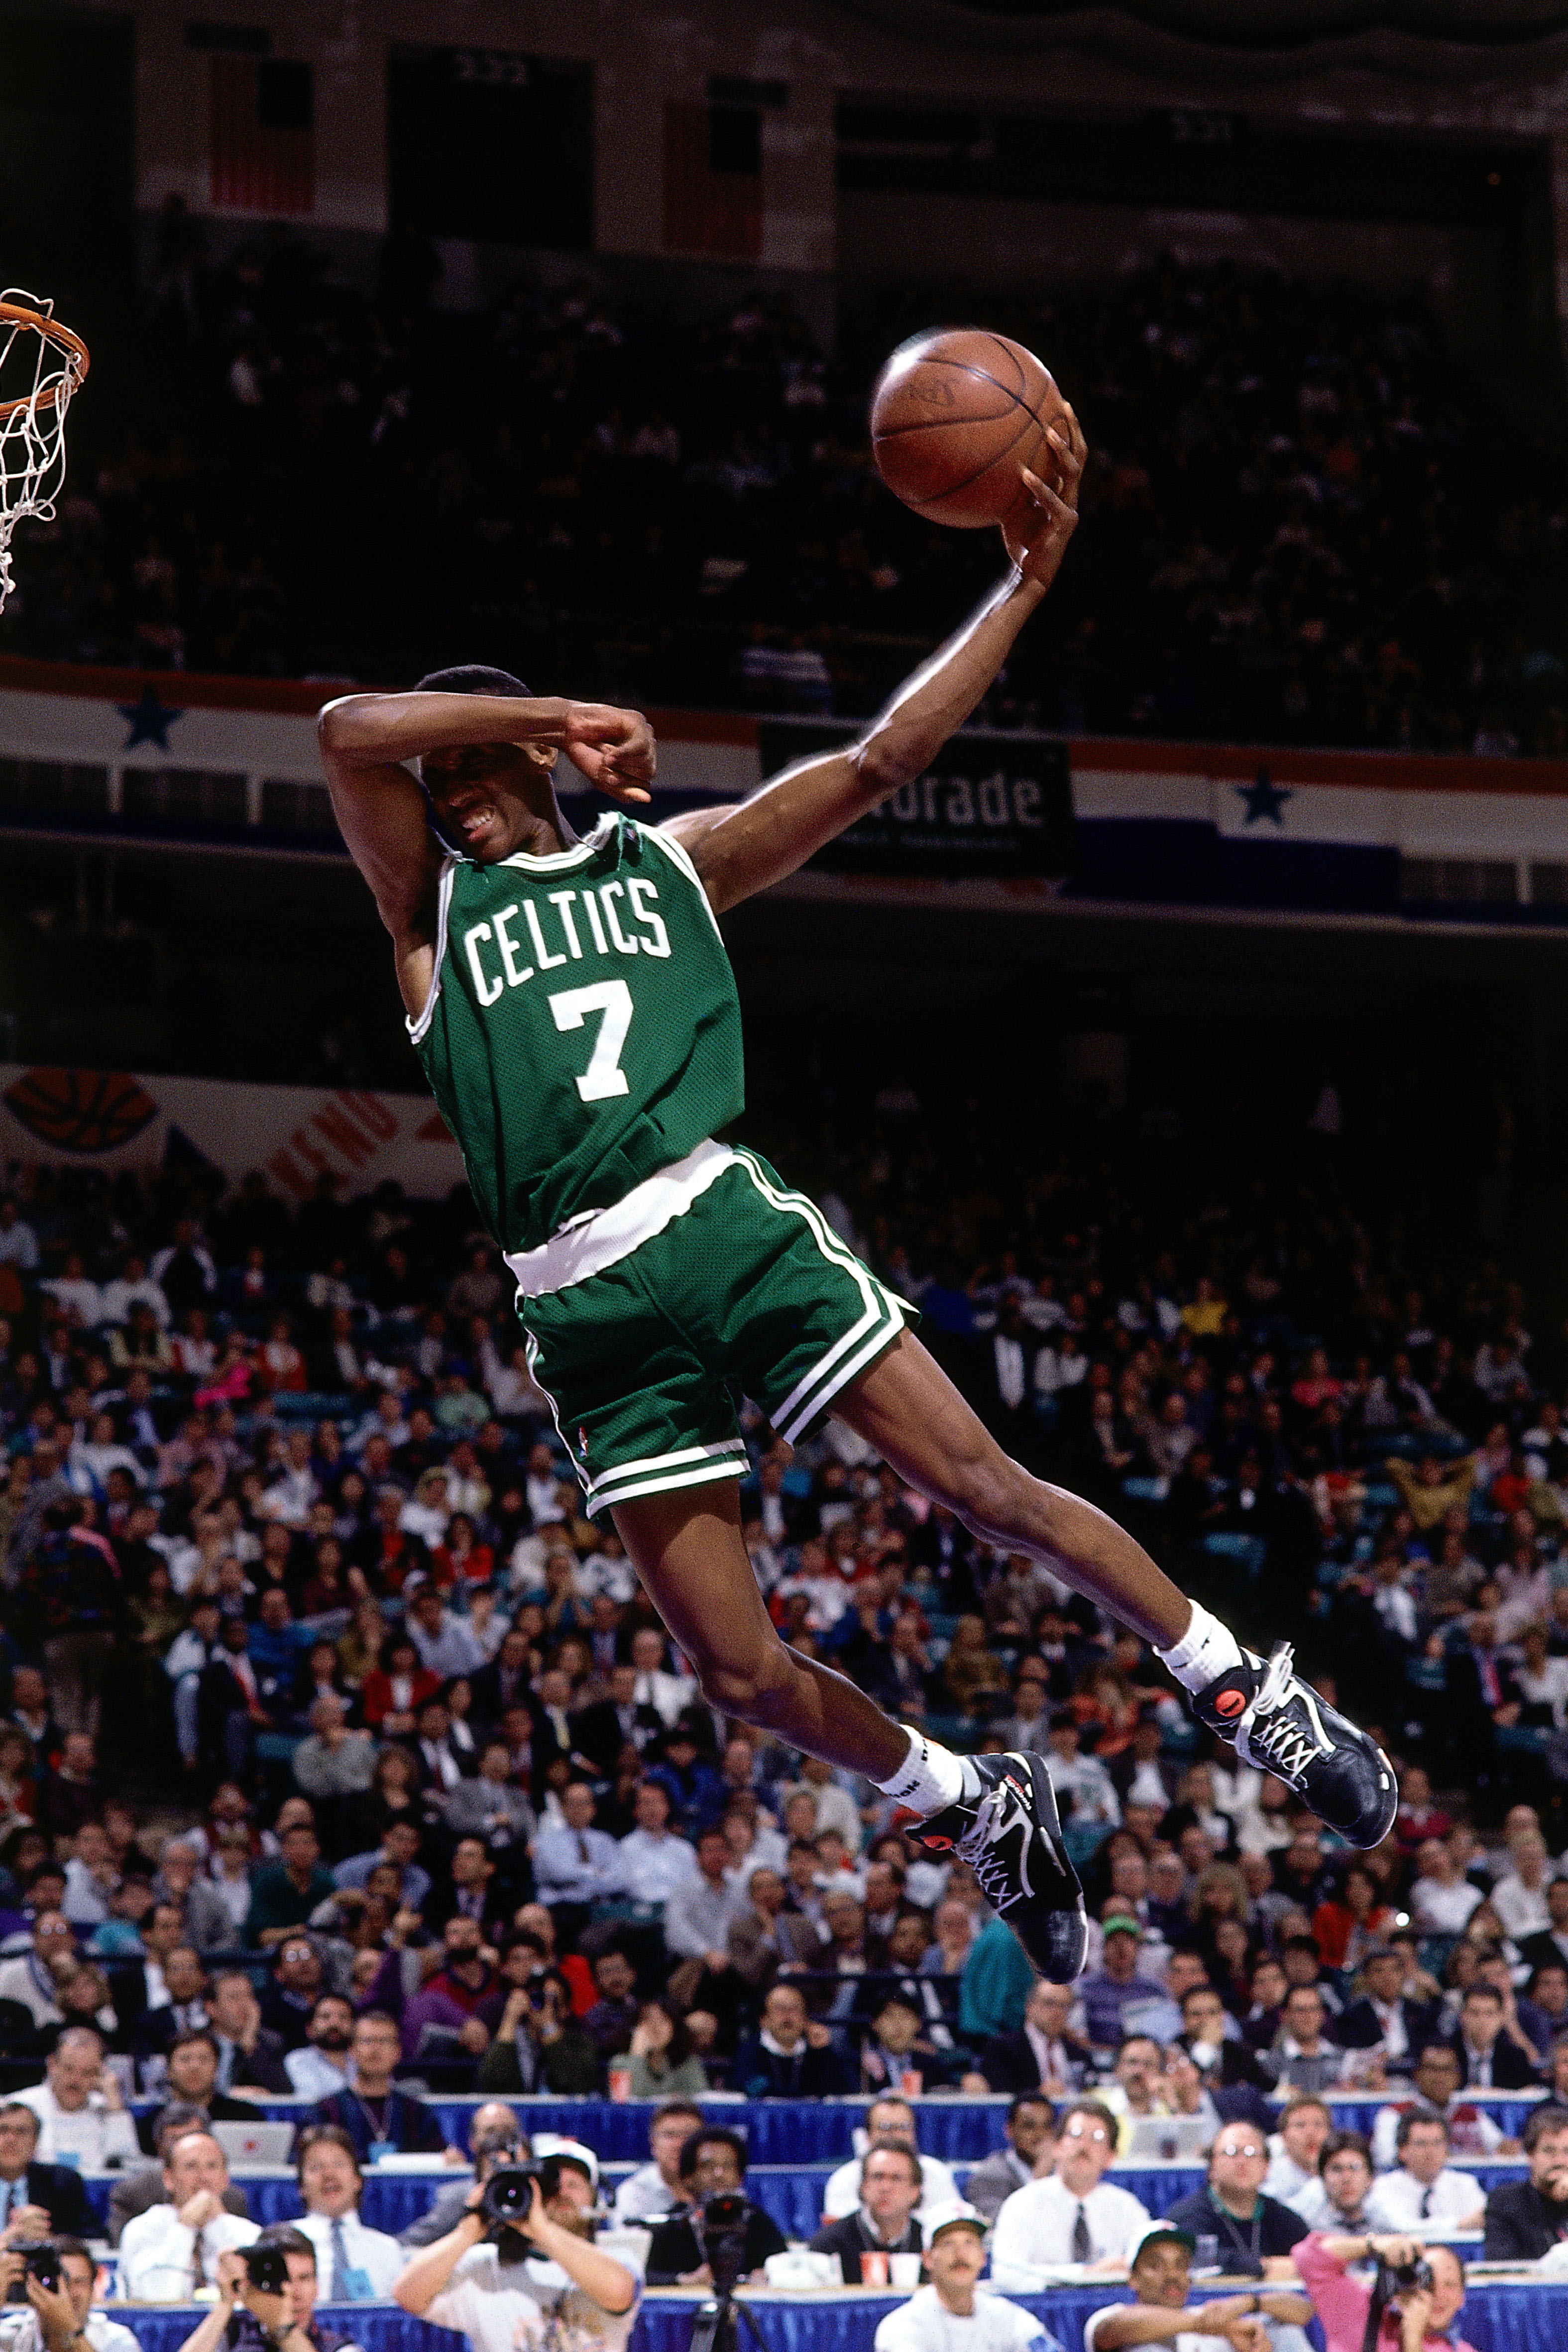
(930, 1777)
(1205, 1651)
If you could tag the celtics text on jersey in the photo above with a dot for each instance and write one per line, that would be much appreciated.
(583, 1029)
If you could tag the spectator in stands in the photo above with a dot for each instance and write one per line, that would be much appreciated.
(283, 1894)
(1305, 2123)
(192, 2063)
(1383, 2019)
(494, 2135)
(377, 2116)
(884, 2220)
(1437, 2092)
(37, 2200)
(790, 2056)
(712, 2163)
(135, 2192)
(249, 2056)
(576, 1865)
(1045, 2053)
(1071, 2214)
(663, 2062)
(290, 1994)
(1525, 2219)
(79, 2106)
(1423, 2189)
(1030, 2129)
(1251, 2227)
(247, 2319)
(1160, 2279)
(1343, 2303)
(320, 2067)
(1306, 2059)
(353, 2265)
(656, 2188)
(1118, 1985)
(891, 2119)
(1337, 2198)
(172, 2250)
(1492, 2059)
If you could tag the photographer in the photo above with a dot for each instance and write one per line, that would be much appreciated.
(508, 2286)
(61, 2317)
(540, 2043)
(267, 2300)
(1422, 2290)
(713, 2164)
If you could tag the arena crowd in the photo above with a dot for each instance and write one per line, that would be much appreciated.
(342, 1760)
(1297, 527)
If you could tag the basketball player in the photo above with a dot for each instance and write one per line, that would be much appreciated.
(575, 1014)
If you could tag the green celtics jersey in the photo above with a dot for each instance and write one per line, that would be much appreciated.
(583, 1030)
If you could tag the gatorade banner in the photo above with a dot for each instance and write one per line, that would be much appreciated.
(115, 1119)
(988, 805)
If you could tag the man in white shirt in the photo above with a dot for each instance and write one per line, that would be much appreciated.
(654, 1861)
(1072, 2216)
(656, 2188)
(889, 2119)
(1442, 1898)
(1436, 2082)
(1305, 2123)
(1424, 2193)
(950, 2313)
(58, 2320)
(320, 2070)
(354, 2264)
(80, 2110)
(669, 1695)
(170, 2251)
(1519, 1898)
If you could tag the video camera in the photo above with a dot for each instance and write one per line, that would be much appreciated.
(41, 2261)
(507, 2200)
(721, 2232)
(266, 2268)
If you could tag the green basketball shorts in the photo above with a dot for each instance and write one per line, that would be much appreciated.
(647, 1321)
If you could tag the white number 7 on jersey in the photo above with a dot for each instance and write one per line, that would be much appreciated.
(603, 1076)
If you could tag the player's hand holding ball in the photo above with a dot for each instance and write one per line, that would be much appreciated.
(613, 749)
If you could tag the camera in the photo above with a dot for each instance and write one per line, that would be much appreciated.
(508, 2193)
(721, 2235)
(40, 2261)
(266, 2268)
(1409, 2278)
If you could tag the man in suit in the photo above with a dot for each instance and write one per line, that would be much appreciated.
(37, 2200)
(787, 2058)
(763, 1937)
(1382, 2020)
(1042, 2055)
(884, 2222)
(229, 1709)
(1549, 1947)
(250, 2057)
(1479, 1686)
(600, 1732)
(503, 1683)
(1491, 2058)
(1003, 1390)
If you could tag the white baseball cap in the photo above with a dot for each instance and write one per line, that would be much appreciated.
(573, 2150)
(945, 2217)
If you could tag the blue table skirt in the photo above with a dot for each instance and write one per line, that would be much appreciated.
(1502, 2315)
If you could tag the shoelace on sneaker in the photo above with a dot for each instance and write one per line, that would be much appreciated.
(1279, 1744)
(977, 1847)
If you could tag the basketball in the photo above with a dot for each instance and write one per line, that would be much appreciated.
(956, 414)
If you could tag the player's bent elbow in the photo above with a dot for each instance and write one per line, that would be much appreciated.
(884, 765)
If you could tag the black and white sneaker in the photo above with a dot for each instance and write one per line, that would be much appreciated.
(1280, 1723)
(1010, 1835)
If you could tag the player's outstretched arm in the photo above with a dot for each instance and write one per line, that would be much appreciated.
(744, 847)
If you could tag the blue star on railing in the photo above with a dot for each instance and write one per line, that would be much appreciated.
(1264, 798)
(149, 720)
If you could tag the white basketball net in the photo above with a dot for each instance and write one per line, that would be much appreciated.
(37, 377)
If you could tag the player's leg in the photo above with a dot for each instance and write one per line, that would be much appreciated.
(998, 1812)
(687, 1549)
(907, 1408)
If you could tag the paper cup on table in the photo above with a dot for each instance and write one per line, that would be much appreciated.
(905, 2271)
(873, 2267)
(620, 2081)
